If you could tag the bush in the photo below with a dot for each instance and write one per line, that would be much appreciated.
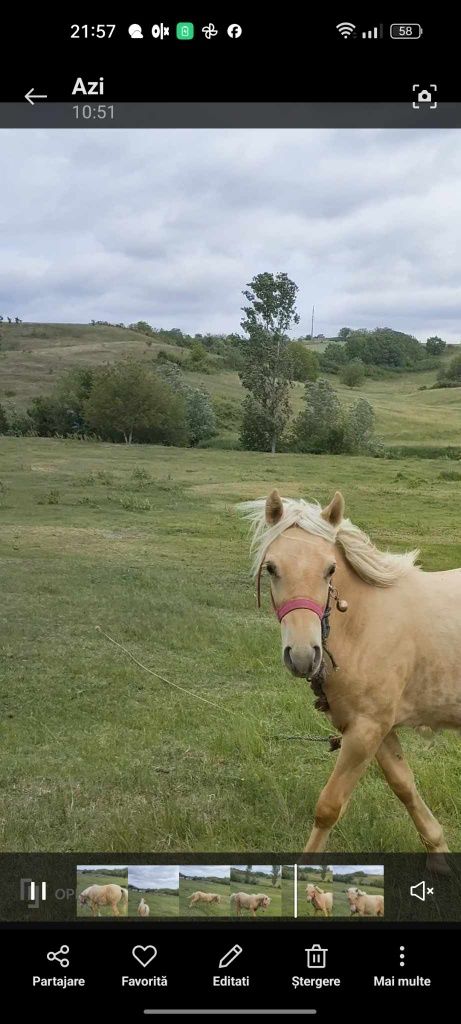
(257, 427)
(128, 400)
(352, 374)
(4, 424)
(132, 503)
(304, 363)
(435, 346)
(199, 412)
(451, 373)
(323, 426)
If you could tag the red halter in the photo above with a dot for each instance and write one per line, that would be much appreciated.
(290, 606)
(299, 602)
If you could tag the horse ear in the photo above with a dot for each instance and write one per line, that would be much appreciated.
(334, 512)
(274, 508)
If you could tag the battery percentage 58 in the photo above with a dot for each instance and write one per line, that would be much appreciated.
(406, 31)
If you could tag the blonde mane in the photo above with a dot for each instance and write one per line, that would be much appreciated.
(381, 568)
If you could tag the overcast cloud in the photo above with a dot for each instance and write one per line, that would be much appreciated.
(154, 876)
(169, 226)
(205, 871)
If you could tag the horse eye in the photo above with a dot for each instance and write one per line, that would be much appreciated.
(331, 570)
(271, 569)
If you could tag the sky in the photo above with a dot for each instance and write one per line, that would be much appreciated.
(349, 869)
(97, 867)
(168, 226)
(205, 871)
(154, 876)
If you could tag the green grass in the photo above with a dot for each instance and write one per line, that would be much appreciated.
(86, 878)
(95, 753)
(341, 906)
(405, 415)
(161, 902)
(261, 884)
(187, 886)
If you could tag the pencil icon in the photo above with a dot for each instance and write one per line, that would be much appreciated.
(230, 956)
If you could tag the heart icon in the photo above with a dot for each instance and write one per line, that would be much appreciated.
(144, 954)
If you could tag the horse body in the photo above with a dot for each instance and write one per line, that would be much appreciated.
(400, 657)
(398, 649)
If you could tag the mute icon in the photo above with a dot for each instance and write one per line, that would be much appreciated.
(421, 890)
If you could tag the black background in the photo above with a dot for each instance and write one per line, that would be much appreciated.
(294, 54)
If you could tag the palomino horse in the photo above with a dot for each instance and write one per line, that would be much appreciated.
(397, 651)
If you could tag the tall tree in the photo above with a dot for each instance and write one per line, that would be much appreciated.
(275, 872)
(269, 315)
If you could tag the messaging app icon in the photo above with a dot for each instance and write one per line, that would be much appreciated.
(184, 30)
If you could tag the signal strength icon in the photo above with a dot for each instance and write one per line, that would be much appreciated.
(373, 33)
(346, 29)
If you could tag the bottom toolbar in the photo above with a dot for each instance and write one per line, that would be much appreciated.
(174, 971)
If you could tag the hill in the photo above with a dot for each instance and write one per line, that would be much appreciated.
(33, 356)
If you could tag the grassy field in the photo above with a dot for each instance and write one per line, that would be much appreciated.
(97, 754)
(260, 884)
(41, 353)
(161, 902)
(86, 878)
(187, 886)
(341, 906)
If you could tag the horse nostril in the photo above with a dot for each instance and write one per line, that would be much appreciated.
(317, 659)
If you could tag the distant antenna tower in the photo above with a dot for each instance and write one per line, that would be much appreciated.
(312, 323)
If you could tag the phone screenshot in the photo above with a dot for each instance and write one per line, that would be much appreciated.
(230, 492)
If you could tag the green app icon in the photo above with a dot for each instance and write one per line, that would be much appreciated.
(184, 30)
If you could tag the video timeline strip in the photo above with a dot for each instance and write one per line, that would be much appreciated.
(213, 892)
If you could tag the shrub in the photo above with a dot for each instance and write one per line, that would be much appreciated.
(323, 426)
(352, 374)
(133, 503)
(304, 363)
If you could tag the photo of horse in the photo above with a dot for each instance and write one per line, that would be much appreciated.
(230, 479)
(102, 891)
(153, 891)
(204, 891)
(324, 891)
(256, 890)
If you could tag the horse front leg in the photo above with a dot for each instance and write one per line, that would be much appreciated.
(359, 744)
(391, 760)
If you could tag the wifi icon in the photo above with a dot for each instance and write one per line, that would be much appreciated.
(345, 28)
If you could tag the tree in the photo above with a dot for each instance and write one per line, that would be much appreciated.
(344, 333)
(201, 420)
(435, 346)
(270, 313)
(127, 399)
(323, 426)
(275, 872)
(304, 363)
(325, 872)
(248, 870)
(359, 428)
(319, 427)
(200, 415)
(352, 374)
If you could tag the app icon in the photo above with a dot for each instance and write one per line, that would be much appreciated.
(184, 30)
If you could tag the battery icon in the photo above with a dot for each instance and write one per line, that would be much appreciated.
(406, 30)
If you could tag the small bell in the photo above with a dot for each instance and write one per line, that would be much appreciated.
(342, 606)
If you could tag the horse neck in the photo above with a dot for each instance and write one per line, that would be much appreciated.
(358, 595)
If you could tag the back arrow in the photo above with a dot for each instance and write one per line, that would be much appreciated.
(30, 97)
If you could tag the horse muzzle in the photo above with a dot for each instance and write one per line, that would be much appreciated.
(303, 662)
